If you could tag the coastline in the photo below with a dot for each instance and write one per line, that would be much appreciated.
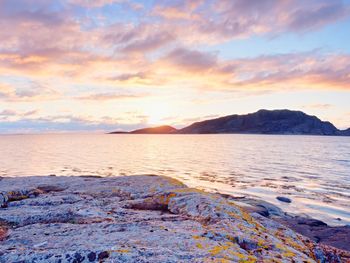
(317, 230)
(149, 218)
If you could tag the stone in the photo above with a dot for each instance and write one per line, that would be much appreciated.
(284, 199)
(139, 219)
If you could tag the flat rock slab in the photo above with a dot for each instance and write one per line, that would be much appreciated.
(138, 219)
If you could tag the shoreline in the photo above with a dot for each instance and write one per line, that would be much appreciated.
(134, 217)
(317, 230)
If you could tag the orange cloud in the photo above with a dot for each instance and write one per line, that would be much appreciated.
(110, 96)
(157, 52)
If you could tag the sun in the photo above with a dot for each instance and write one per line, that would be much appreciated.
(156, 114)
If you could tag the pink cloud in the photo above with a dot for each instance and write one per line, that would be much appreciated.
(192, 59)
(110, 96)
(27, 93)
(217, 21)
(158, 50)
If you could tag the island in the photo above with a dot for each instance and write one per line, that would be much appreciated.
(283, 122)
(165, 129)
(144, 218)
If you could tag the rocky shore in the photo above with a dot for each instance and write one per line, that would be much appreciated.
(143, 219)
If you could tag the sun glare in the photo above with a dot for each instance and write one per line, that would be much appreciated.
(157, 114)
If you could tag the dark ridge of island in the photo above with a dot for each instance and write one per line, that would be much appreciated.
(165, 129)
(345, 132)
(285, 122)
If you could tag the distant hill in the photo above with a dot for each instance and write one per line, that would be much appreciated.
(260, 122)
(265, 122)
(345, 132)
(165, 129)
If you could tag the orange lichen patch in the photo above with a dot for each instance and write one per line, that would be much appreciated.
(198, 237)
(174, 182)
(233, 204)
(290, 241)
(288, 254)
(3, 232)
(16, 196)
(221, 260)
(262, 243)
(218, 249)
(234, 215)
(190, 190)
(239, 257)
(165, 199)
(199, 245)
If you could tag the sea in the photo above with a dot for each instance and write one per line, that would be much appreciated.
(313, 171)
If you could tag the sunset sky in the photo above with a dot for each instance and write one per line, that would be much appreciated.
(103, 65)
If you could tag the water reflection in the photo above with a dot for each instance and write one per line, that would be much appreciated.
(313, 171)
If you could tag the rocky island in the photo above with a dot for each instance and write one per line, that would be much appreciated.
(142, 218)
(286, 122)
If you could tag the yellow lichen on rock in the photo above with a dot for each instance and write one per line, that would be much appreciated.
(218, 249)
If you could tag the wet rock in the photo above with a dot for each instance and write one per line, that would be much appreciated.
(138, 219)
(261, 207)
(318, 231)
(310, 222)
(284, 199)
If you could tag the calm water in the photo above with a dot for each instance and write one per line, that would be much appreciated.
(313, 171)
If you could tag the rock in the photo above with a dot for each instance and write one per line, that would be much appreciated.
(318, 231)
(261, 207)
(283, 199)
(139, 219)
(310, 222)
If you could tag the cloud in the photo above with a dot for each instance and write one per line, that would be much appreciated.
(110, 96)
(28, 92)
(14, 115)
(317, 16)
(228, 19)
(319, 106)
(94, 3)
(8, 113)
(73, 51)
(192, 59)
(48, 38)
(304, 70)
(65, 123)
(150, 43)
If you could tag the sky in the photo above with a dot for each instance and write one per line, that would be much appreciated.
(106, 65)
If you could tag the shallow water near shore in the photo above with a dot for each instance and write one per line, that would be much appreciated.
(313, 171)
